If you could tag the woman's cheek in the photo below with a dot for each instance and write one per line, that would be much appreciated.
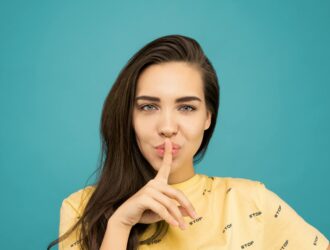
(193, 130)
(194, 135)
(141, 128)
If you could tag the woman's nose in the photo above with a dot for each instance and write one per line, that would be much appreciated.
(167, 125)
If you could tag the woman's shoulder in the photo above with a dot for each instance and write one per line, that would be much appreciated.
(237, 189)
(234, 181)
(78, 199)
(243, 185)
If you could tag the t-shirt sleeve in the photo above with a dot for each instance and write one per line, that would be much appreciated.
(283, 228)
(68, 217)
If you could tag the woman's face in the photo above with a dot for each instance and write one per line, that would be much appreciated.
(169, 102)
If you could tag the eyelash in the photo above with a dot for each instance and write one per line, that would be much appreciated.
(189, 106)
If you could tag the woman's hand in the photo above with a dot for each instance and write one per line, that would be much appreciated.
(156, 200)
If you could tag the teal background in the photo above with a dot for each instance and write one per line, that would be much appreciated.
(58, 60)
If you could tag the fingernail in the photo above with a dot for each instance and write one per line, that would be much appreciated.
(166, 143)
(183, 226)
(175, 223)
(195, 215)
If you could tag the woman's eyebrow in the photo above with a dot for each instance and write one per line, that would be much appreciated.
(178, 100)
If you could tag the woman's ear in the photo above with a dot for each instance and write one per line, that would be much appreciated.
(208, 120)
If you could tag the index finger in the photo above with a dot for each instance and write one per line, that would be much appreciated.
(165, 169)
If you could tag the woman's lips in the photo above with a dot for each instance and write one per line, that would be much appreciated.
(160, 151)
(162, 146)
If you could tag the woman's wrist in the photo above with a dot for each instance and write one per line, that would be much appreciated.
(116, 222)
(116, 235)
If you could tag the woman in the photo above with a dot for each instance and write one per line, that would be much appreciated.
(157, 122)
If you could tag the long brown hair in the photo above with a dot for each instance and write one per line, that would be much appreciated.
(123, 169)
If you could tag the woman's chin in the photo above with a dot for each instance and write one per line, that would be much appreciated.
(156, 164)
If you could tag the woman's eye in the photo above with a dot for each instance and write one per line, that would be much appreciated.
(147, 107)
(188, 108)
(184, 108)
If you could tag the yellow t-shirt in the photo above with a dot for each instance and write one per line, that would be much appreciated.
(234, 213)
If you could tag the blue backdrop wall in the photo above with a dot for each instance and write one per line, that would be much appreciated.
(59, 60)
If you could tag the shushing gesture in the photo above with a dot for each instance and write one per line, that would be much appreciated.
(157, 200)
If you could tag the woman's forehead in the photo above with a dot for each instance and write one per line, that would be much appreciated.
(167, 80)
